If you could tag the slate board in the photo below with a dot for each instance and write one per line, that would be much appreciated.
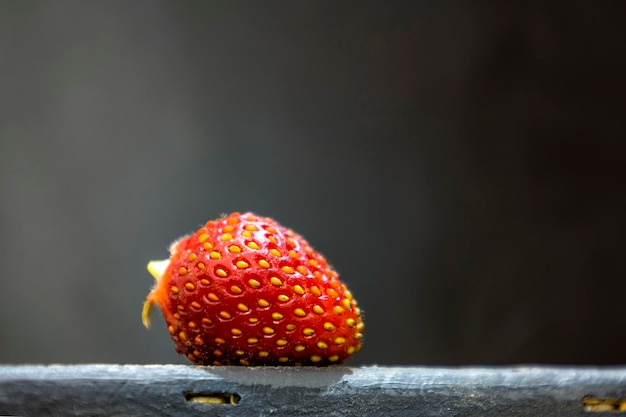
(178, 390)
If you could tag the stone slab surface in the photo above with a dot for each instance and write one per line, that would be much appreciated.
(178, 390)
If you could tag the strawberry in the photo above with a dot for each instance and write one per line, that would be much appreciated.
(243, 290)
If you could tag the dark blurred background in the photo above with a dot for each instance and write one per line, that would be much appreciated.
(462, 164)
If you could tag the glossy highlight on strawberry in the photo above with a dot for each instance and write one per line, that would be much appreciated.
(243, 290)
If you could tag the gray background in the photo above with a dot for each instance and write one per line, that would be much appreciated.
(461, 164)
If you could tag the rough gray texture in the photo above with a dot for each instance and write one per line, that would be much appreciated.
(133, 390)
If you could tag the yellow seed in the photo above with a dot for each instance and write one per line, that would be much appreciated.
(281, 342)
(338, 309)
(318, 309)
(283, 298)
(346, 304)
(360, 326)
(316, 358)
(211, 296)
(350, 350)
(276, 281)
(244, 362)
(242, 264)
(283, 359)
(221, 273)
(225, 315)
(332, 293)
(322, 345)
(203, 238)
(192, 257)
(333, 358)
(234, 249)
(206, 322)
(228, 228)
(277, 316)
(299, 348)
(268, 330)
(191, 357)
(312, 262)
(301, 269)
(275, 252)
(218, 352)
(196, 305)
(235, 332)
(270, 229)
(339, 340)
(204, 281)
(298, 289)
(253, 320)
(189, 286)
(233, 220)
(180, 307)
(176, 316)
(214, 255)
(291, 243)
(287, 269)
(201, 266)
(226, 237)
(315, 291)
(235, 289)
(251, 227)
(263, 303)
(199, 340)
(318, 275)
(350, 322)
(207, 246)
(290, 327)
(254, 283)
(358, 336)
(308, 331)
(242, 307)
(245, 233)
(294, 254)
(253, 340)
(329, 326)
(182, 270)
(253, 245)
(347, 293)
(272, 239)
(171, 329)
(219, 340)
(240, 352)
(299, 312)
(357, 311)
(264, 264)
(174, 289)
(264, 354)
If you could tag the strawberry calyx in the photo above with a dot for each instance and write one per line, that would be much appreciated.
(157, 270)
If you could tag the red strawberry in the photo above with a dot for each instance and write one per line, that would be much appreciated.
(243, 290)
